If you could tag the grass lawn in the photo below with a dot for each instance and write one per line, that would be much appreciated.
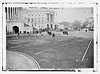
(61, 52)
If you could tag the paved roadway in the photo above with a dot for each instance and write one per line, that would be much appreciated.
(61, 52)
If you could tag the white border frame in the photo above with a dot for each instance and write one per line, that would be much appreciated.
(59, 4)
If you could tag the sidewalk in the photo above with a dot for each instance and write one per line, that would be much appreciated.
(82, 34)
(20, 61)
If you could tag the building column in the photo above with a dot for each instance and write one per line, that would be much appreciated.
(13, 13)
(53, 21)
(17, 12)
(20, 13)
(10, 12)
(49, 18)
(50, 21)
(52, 17)
(7, 13)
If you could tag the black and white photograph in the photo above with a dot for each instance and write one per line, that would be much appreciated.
(49, 37)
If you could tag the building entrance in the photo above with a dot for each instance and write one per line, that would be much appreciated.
(15, 29)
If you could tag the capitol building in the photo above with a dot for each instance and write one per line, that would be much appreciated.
(29, 19)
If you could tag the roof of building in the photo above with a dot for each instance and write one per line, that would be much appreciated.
(38, 10)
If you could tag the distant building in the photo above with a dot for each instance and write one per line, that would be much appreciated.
(59, 26)
(89, 24)
(66, 25)
(25, 20)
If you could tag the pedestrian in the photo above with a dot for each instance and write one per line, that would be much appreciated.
(50, 33)
(28, 33)
(42, 35)
(17, 35)
(53, 35)
(66, 32)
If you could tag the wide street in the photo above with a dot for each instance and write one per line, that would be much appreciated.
(60, 52)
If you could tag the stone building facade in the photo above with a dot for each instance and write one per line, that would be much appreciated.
(23, 20)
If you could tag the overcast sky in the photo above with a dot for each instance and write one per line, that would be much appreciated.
(70, 14)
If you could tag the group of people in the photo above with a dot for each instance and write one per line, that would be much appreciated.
(50, 33)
